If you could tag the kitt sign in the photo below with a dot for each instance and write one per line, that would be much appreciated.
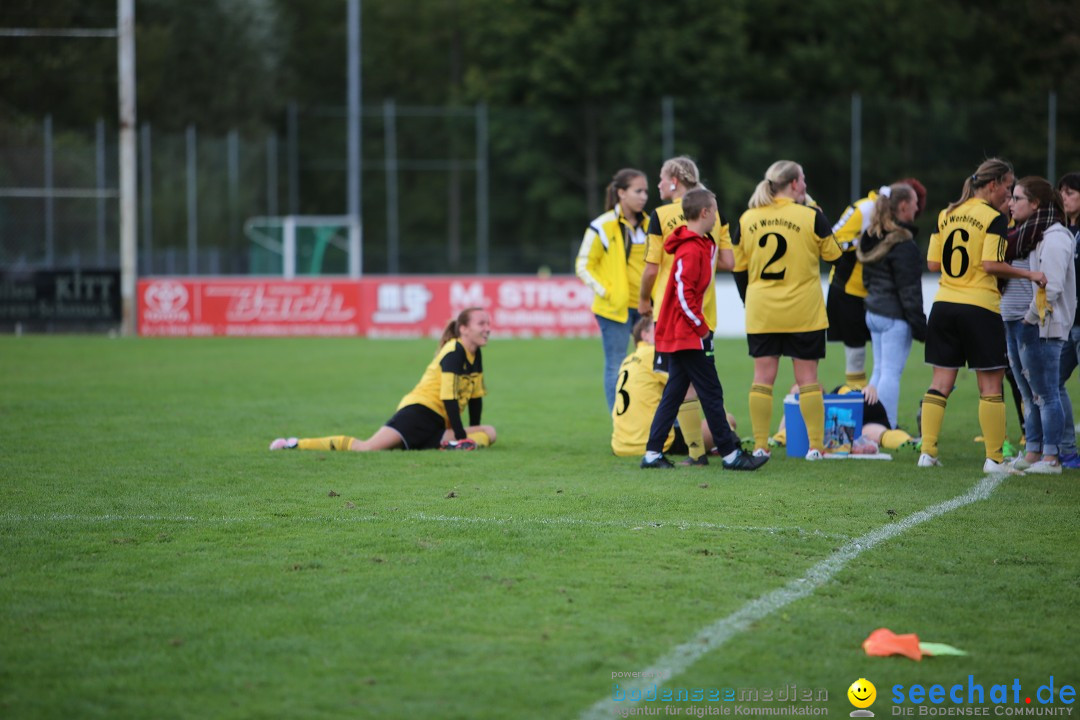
(60, 296)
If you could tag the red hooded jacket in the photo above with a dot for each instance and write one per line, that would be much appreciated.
(681, 324)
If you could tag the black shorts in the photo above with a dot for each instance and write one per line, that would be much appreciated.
(420, 427)
(800, 345)
(959, 334)
(847, 318)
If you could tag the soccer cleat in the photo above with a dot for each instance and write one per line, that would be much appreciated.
(993, 467)
(780, 438)
(928, 461)
(284, 444)
(691, 462)
(762, 453)
(660, 463)
(745, 461)
(466, 444)
(1070, 461)
(814, 454)
(1044, 467)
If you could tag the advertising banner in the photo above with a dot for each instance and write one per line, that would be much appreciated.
(60, 296)
(397, 306)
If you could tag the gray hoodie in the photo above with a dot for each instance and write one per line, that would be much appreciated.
(1054, 257)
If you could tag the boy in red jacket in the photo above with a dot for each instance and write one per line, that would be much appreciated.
(685, 339)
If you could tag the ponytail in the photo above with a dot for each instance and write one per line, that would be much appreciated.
(453, 328)
(883, 218)
(779, 175)
(989, 171)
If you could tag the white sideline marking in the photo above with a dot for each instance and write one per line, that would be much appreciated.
(709, 638)
(421, 517)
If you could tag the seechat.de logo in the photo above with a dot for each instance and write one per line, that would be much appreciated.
(862, 694)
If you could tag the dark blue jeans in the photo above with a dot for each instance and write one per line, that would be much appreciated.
(697, 367)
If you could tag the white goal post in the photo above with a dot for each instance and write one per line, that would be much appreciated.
(278, 236)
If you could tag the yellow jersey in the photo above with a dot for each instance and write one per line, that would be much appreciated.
(972, 233)
(781, 244)
(662, 223)
(847, 273)
(637, 394)
(454, 374)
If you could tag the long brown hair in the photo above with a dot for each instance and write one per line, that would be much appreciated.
(620, 181)
(1041, 191)
(453, 328)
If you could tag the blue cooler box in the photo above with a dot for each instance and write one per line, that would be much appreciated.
(843, 423)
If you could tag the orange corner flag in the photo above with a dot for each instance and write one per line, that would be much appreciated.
(884, 642)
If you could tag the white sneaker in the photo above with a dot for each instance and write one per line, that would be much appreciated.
(1020, 463)
(762, 453)
(993, 467)
(284, 444)
(814, 455)
(1044, 467)
(928, 461)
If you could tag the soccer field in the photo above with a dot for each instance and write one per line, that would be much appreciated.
(158, 561)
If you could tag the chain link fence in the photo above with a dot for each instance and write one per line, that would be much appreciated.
(467, 188)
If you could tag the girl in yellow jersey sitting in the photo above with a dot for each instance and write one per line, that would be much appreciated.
(430, 416)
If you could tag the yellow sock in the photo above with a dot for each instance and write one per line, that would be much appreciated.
(760, 414)
(992, 424)
(480, 438)
(690, 423)
(892, 439)
(334, 442)
(855, 381)
(933, 415)
(812, 407)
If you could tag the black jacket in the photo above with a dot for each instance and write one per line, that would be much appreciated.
(892, 273)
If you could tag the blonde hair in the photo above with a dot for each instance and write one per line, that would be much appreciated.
(620, 181)
(883, 219)
(989, 171)
(780, 174)
(682, 169)
(453, 328)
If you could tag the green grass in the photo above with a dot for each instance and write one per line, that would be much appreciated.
(158, 562)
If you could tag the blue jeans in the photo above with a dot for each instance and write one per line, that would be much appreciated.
(891, 341)
(616, 338)
(1070, 359)
(1038, 375)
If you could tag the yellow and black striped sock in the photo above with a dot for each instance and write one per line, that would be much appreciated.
(812, 407)
(933, 415)
(334, 442)
(992, 424)
(690, 424)
(760, 414)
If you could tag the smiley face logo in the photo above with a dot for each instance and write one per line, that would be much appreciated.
(862, 693)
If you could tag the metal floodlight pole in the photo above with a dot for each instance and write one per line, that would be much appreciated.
(125, 27)
(354, 201)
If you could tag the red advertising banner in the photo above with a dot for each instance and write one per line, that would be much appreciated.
(398, 306)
